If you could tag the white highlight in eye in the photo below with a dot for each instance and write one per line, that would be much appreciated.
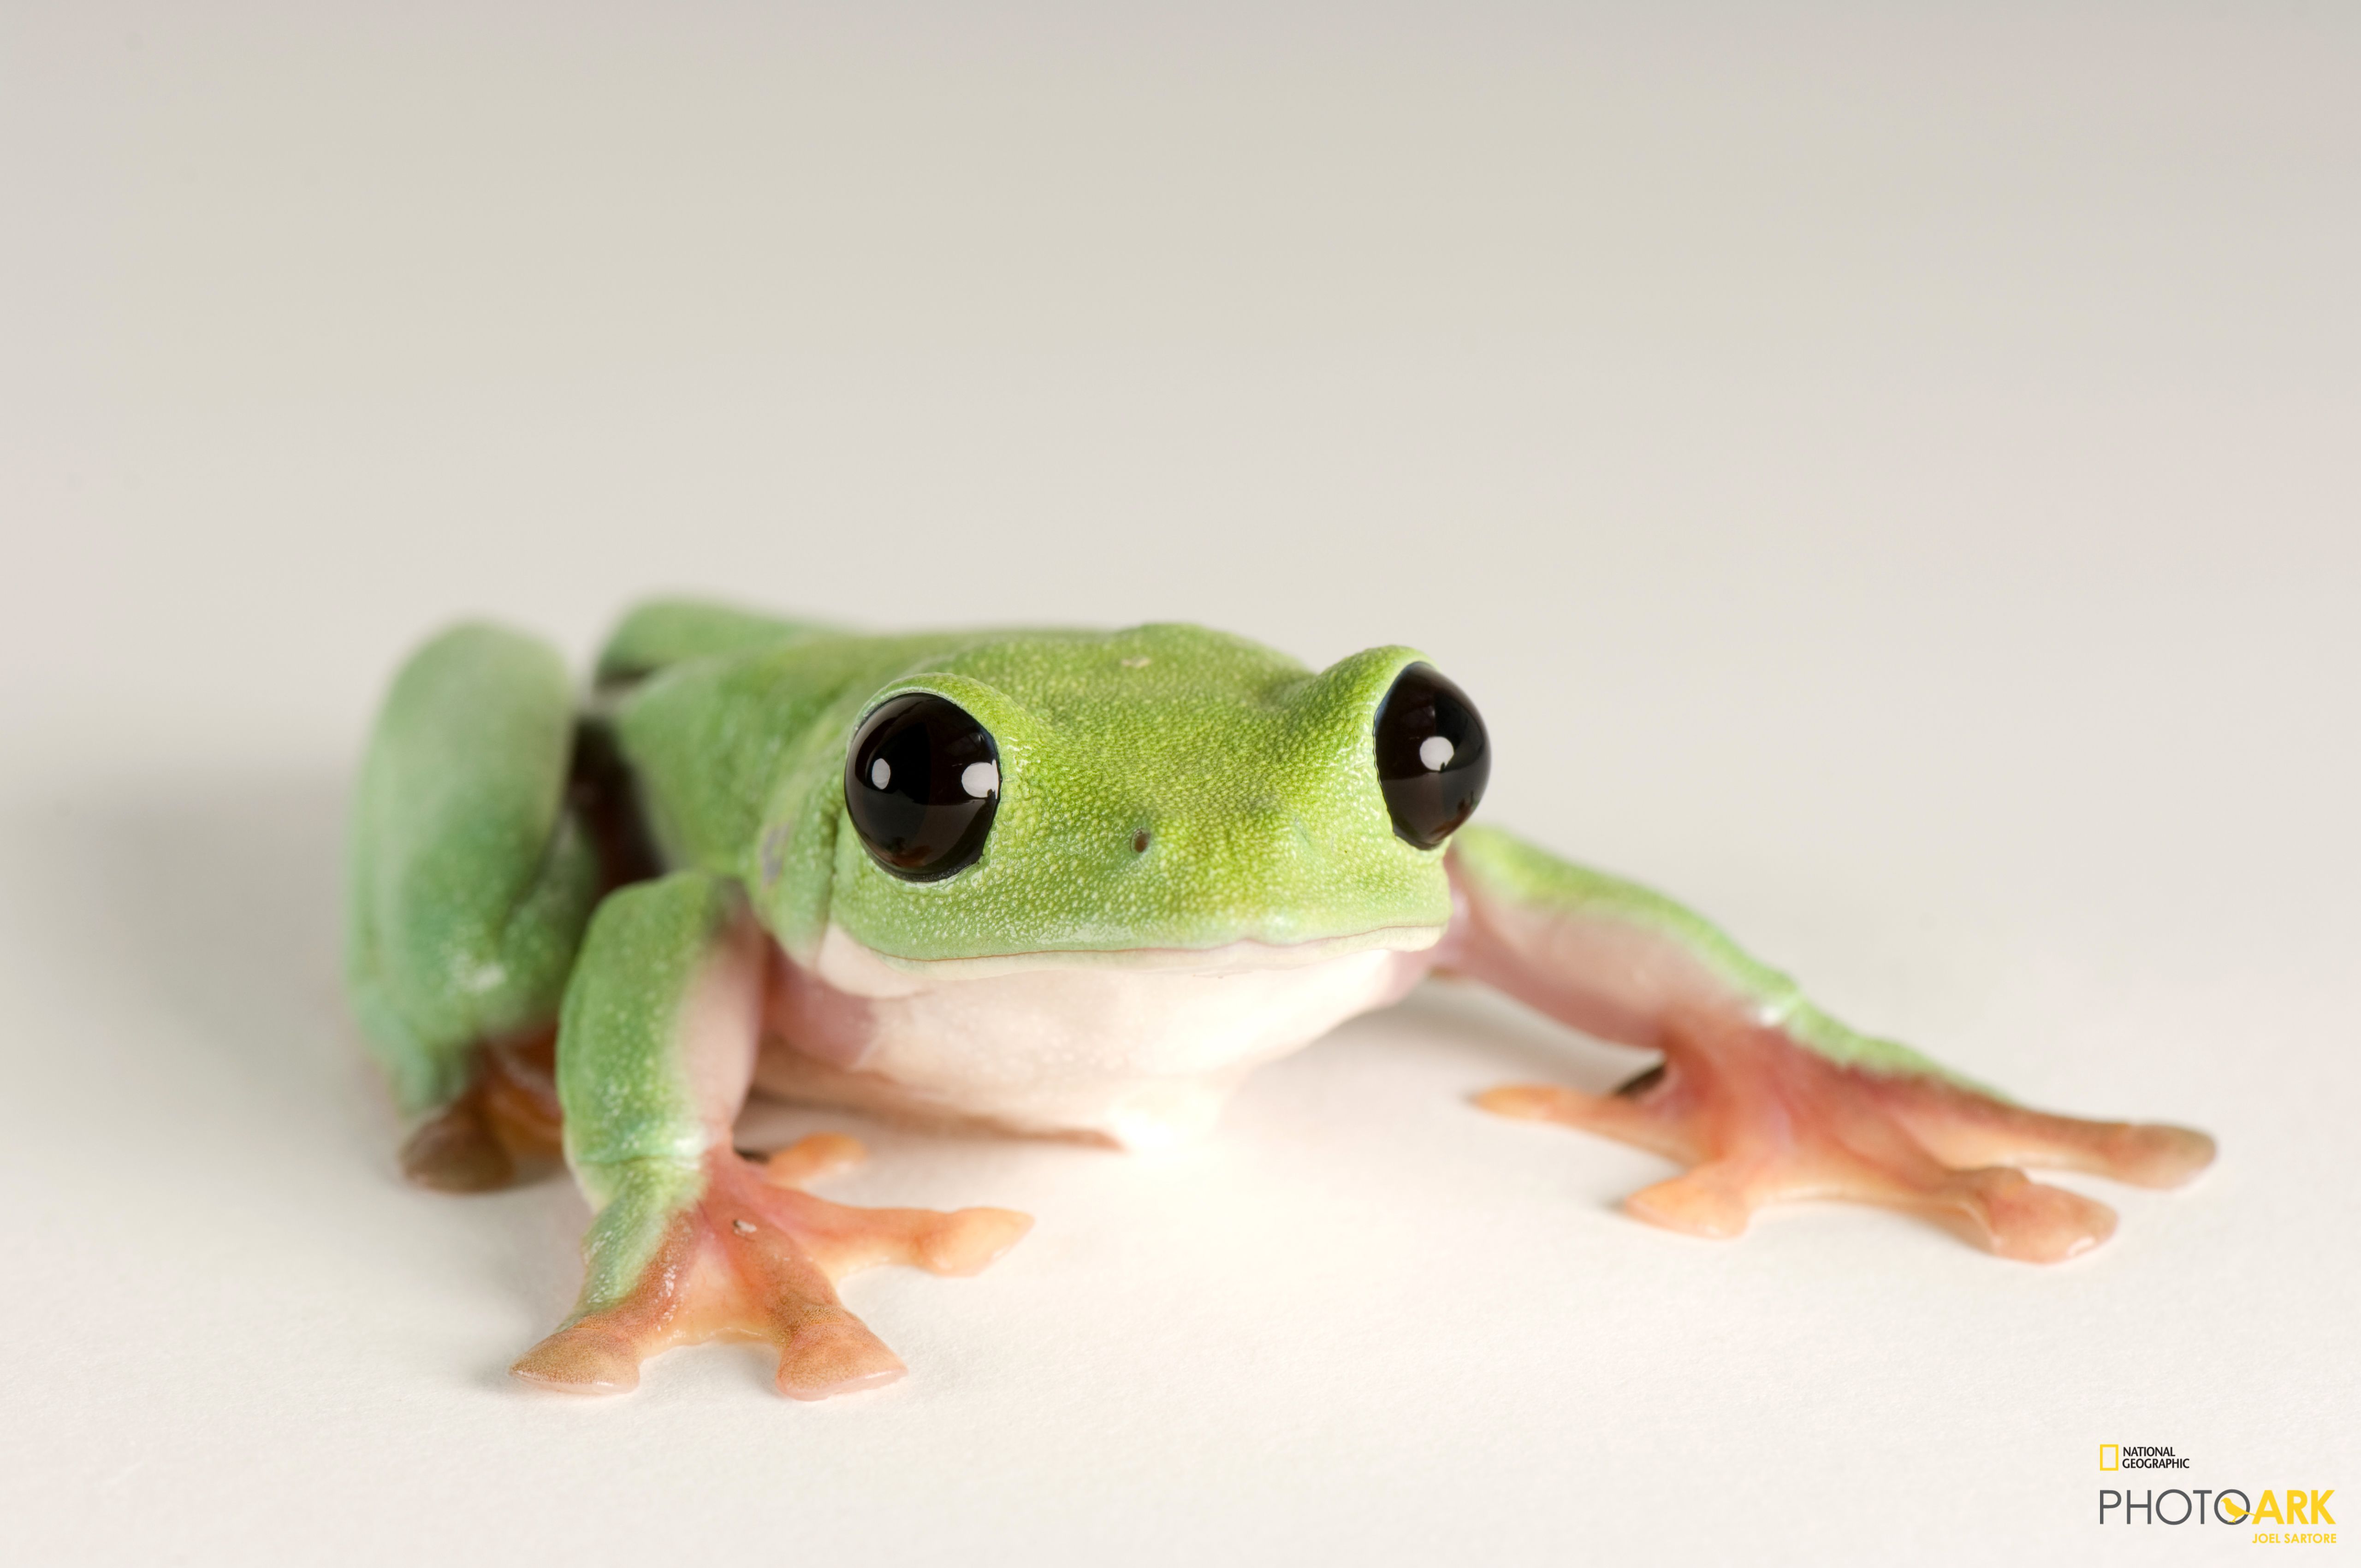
(1435, 752)
(880, 776)
(980, 779)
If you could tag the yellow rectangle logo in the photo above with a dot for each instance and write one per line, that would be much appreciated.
(2110, 1454)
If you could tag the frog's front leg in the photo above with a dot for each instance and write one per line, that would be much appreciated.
(1760, 1093)
(691, 1242)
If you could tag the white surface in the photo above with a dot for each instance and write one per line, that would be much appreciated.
(1892, 480)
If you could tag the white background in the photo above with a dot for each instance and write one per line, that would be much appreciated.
(1889, 475)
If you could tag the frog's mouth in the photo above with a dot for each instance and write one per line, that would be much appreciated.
(851, 965)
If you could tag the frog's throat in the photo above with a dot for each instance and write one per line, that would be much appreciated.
(1137, 1047)
(851, 965)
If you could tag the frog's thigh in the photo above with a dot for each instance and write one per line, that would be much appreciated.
(471, 882)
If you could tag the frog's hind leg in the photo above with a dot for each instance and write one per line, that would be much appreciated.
(692, 1242)
(487, 825)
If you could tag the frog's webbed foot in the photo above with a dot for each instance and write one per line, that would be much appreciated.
(751, 1255)
(1761, 1118)
(504, 1125)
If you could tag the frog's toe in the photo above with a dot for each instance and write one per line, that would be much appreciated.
(970, 1241)
(1713, 1200)
(810, 1158)
(843, 1240)
(2014, 1216)
(2158, 1154)
(454, 1151)
(834, 1353)
(1651, 1124)
(587, 1357)
(504, 1123)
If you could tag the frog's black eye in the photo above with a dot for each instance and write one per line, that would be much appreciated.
(921, 782)
(1433, 758)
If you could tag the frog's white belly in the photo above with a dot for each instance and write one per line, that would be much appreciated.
(1138, 1048)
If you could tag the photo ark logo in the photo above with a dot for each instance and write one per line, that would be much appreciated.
(2300, 1516)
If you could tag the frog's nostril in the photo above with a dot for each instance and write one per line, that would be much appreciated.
(1139, 842)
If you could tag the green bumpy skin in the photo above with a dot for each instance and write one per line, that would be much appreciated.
(1249, 771)
(633, 1133)
(468, 883)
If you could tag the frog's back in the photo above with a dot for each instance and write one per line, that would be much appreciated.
(658, 633)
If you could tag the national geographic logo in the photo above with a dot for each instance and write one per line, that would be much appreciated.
(2299, 1512)
(2146, 1456)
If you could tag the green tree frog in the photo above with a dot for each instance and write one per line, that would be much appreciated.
(1051, 882)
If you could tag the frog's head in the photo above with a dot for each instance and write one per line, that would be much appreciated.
(1164, 789)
